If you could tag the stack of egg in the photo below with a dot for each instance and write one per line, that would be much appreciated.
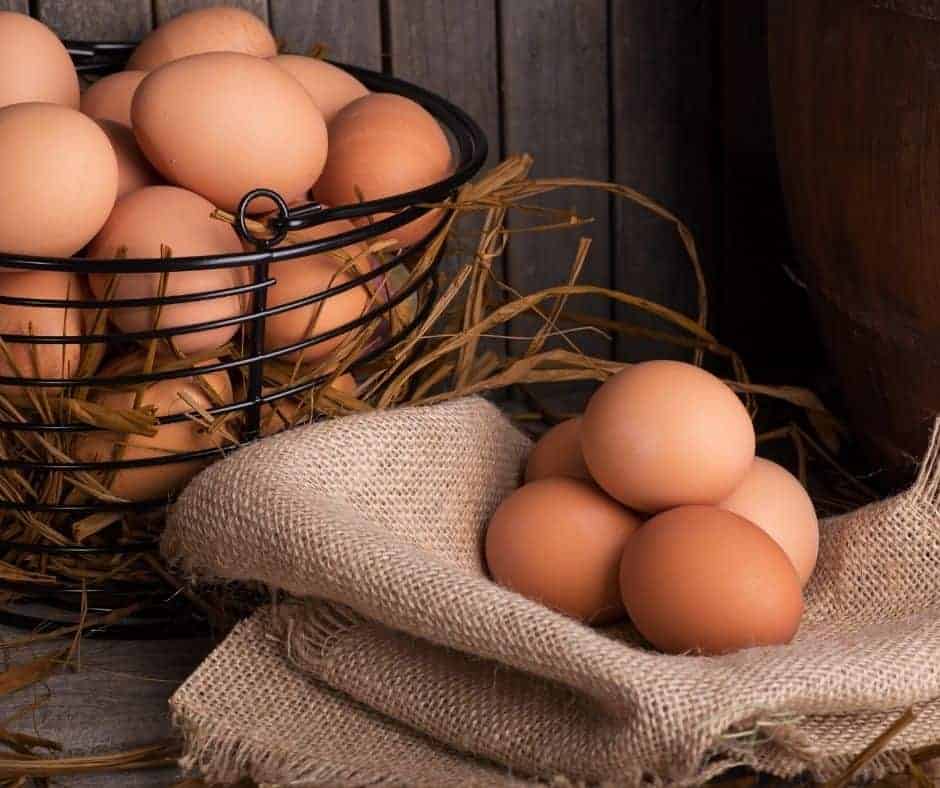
(135, 166)
(653, 506)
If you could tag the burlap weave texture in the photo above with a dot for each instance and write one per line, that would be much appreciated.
(417, 666)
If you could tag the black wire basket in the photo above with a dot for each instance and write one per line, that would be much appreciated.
(162, 612)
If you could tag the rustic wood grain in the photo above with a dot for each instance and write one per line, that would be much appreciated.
(167, 9)
(855, 91)
(15, 5)
(662, 116)
(554, 55)
(116, 699)
(351, 30)
(100, 20)
(439, 44)
(450, 47)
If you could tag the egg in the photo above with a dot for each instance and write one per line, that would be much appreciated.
(167, 398)
(704, 580)
(330, 87)
(222, 124)
(34, 64)
(558, 541)
(110, 97)
(773, 499)
(382, 145)
(156, 216)
(216, 29)
(30, 360)
(558, 453)
(663, 433)
(306, 276)
(284, 413)
(134, 171)
(59, 183)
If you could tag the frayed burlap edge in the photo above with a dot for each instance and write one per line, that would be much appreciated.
(222, 751)
(305, 636)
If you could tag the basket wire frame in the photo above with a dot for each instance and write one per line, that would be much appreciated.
(168, 615)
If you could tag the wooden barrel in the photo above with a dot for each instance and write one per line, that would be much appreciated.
(856, 100)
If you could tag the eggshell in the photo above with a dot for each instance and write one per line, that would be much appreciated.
(167, 398)
(773, 499)
(330, 87)
(216, 29)
(306, 276)
(283, 413)
(222, 124)
(663, 433)
(59, 179)
(558, 453)
(34, 64)
(168, 216)
(382, 145)
(558, 541)
(40, 360)
(109, 98)
(134, 171)
(704, 580)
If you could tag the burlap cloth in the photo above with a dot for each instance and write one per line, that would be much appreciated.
(420, 671)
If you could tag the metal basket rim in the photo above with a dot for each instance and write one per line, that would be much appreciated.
(469, 136)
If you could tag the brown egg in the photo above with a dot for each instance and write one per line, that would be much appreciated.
(168, 398)
(223, 124)
(382, 145)
(306, 276)
(558, 541)
(110, 97)
(773, 499)
(704, 580)
(157, 216)
(60, 179)
(40, 360)
(663, 433)
(283, 413)
(330, 87)
(134, 171)
(216, 29)
(34, 65)
(558, 453)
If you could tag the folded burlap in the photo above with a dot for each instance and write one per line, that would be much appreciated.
(415, 669)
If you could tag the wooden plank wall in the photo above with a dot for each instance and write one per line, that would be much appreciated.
(624, 90)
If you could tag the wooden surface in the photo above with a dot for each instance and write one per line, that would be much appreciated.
(113, 700)
(861, 164)
(450, 47)
(301, 26)
(663, 144)
(167, 9)
(555, 106)
(97, 19)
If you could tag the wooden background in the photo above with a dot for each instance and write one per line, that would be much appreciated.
(668, 96)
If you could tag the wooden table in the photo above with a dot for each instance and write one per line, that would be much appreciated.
(115, 699)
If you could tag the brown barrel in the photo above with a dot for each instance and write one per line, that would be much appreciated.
(856, 99)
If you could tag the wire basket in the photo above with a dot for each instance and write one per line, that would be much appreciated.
(161, 612)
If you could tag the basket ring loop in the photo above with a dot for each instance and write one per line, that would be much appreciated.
(241, 219)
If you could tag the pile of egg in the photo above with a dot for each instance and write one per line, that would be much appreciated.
(653, 506)
(136, 165)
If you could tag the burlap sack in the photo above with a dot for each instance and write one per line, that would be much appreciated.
(384, 515)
